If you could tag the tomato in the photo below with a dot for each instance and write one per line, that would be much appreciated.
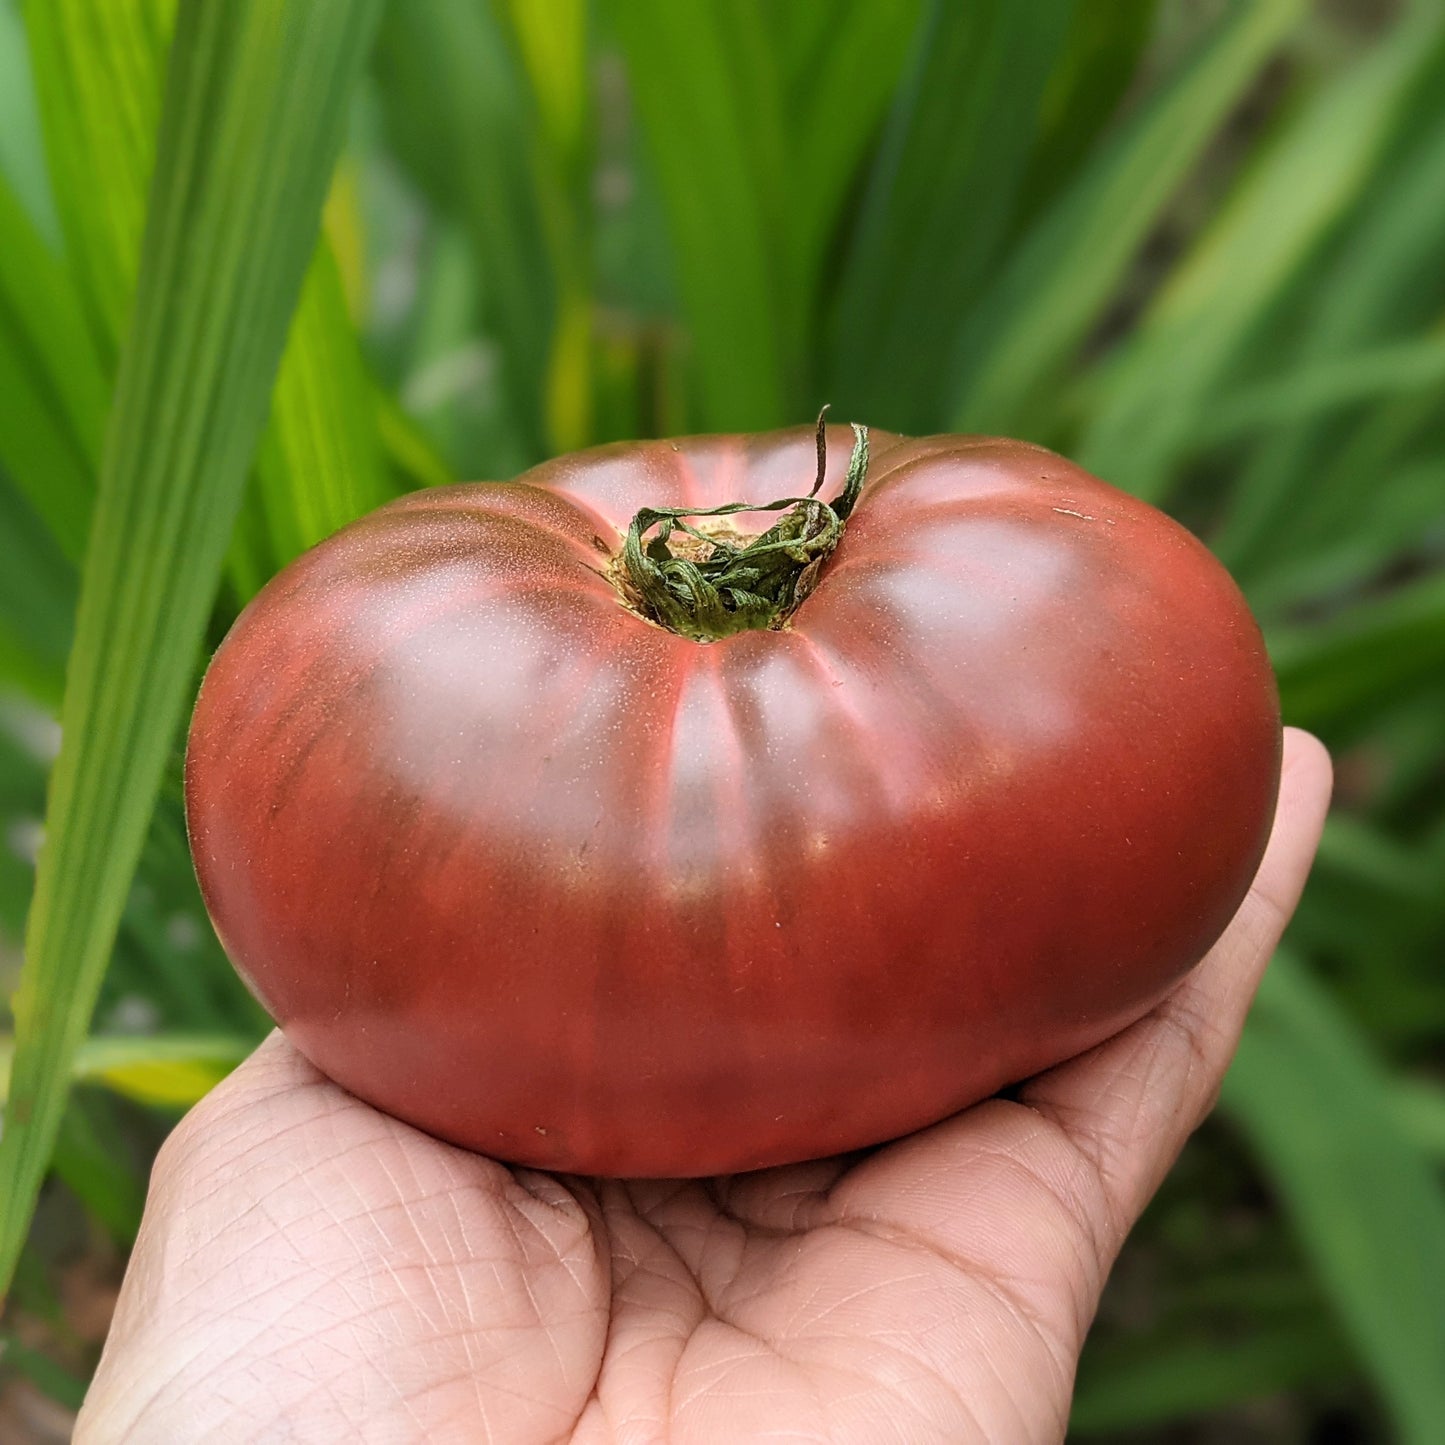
(551, 880)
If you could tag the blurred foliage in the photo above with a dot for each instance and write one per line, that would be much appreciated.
(1193, 243)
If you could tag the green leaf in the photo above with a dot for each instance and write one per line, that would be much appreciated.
(1193, 1377)
(448, 371)
(415, 462)
(56, 396)
(1096, 65)
(1383, 278)
(939, 201)
(1323, 386)
(55, 389)
(842, 69)
(167, 954)
(98, 65)
(170, 1071)
(1065, 269)
(24, 671)
(1370, 856)
(255, 110)
(37, 602)
(1420, 1110)
(164, 1072)
(250, 559)
(457, 111)
(22, 152)
(706, 82)
(92, 1158)
(1334, 538)
(551, 43)
(22, 802)
(1343, 671)
(1317, 1108)
(1246, 261)
(1298, 529)
(321, 463)
(48, 1377)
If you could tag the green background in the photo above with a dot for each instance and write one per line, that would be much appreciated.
(1198, 246)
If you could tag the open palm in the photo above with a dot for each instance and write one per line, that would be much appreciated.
(312, 1270)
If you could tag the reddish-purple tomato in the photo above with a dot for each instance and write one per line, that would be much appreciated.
(548, 880)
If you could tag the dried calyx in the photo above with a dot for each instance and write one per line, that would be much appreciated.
(709, 584)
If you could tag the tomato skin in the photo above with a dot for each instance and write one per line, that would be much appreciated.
(553, 883)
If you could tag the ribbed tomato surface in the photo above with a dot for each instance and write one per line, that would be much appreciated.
(550, 881)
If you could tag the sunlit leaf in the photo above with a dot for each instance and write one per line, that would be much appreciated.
(255, 110)
(100, 68)
(98, 65)
(552, 45)
(22, 154)
(321, 464)
(169, 1071)
(552, 41)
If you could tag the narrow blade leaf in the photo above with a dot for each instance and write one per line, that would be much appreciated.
(1063, 274)
(254, 113)
(940, 199)
(1340, 673)
(468, 147)
(1325, 1128)
(163, 1070)
(1245, 262)
(707, 85)
(54, 386)
(98, 65)
(321, 464)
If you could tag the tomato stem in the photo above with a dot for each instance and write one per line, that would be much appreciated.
(732, 588)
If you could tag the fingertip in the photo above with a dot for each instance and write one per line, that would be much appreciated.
(1306, 760)
(1305, 788)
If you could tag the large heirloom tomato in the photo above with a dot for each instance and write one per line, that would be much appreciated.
(564, 883)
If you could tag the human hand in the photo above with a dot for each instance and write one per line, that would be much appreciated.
(312, 1270)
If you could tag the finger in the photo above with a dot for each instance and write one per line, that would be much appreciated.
(1129, 1104)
